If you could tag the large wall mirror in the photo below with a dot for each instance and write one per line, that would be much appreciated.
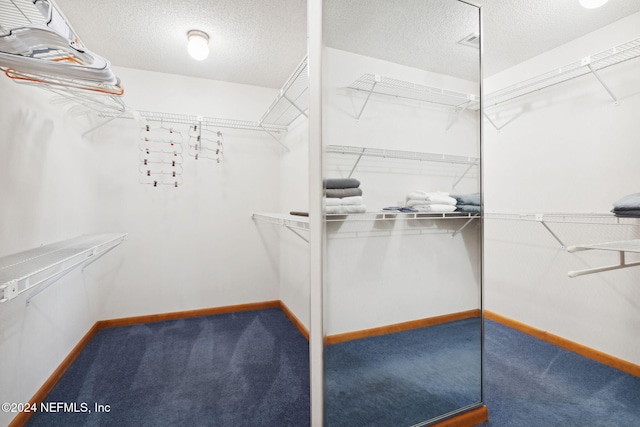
(403, 249)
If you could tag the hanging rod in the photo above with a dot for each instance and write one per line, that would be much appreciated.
(621, 247)
(174, 118)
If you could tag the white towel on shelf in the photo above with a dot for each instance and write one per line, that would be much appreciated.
(426, 195)
(348, 209)
(351, 201)
(329, 201)
(432, 200)
(434, 208)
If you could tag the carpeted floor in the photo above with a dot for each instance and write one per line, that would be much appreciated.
(531, 383)
(404, 378)
(242, 369)
(252, 369)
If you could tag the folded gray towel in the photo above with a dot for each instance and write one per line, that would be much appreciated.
(467, 199)
(632, 213)
(468, 208)
(339, 193)
(337, 183)
(629, 202)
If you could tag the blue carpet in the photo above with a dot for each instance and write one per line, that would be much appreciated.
(242, 369)
(531, 383)
(403, 378)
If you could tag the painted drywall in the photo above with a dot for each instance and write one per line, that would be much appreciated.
(384, 272)
(46, 197)
(570, 148)
(190, 247)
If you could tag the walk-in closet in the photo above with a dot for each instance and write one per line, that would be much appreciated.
(320, 213)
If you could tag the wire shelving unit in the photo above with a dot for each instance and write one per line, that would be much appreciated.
(379, 85)
(292, 101)
(26, 270)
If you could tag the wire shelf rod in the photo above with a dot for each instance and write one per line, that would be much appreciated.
(401, 155)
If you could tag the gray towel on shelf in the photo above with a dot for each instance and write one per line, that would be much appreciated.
(631, 213)
(333, 183)
(339, 193)
(468, 208)
(629, 202)
(467, 199)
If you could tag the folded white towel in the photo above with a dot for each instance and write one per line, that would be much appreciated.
(348, 209)
(351, 201)
(329, 201)
(433, 200)
(434, 208)
(426, 195)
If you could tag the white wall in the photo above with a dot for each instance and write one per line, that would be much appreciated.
(384, 272)
(189, 247)
(570, 150)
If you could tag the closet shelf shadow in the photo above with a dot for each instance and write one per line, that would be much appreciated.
(26, 270)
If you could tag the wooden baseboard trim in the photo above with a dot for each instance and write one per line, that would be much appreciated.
(575, 347)
(136, 320)
(470, 418)
(400, 327)
(22, 417)
(303, 330)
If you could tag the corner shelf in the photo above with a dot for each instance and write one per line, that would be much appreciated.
(26, 270)
(372, 83)
(292, 101)
(589, 64)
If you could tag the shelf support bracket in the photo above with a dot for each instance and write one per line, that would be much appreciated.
(463, 175)
(457, 113)
(376, 80)
(356, 163)
(274, 137)
(540, 219)
(293, 104)
(459, 230)
(296, 233)
(102, 124)
(604, 85)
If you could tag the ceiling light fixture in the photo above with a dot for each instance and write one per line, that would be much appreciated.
(198, 44)
(592, 4)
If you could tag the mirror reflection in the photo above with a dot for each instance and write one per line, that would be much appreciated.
(401, 138)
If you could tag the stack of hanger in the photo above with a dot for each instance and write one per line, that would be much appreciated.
(38, 46)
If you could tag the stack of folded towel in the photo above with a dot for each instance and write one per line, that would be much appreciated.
(628, 206)
(467, 202)
(343, 196)
(422, 201)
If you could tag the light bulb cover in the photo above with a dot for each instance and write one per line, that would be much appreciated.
(592, 4)
(198, 44)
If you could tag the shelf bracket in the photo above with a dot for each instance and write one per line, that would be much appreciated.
(459, 230)
(540, 219)
(597, 76)
(376, 79)
(274, 137)
(296, 233)
(462, 176)
(103, 123)
(458, 112)
(355, 165)
(293, 104)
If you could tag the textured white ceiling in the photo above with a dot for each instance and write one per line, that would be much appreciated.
(260, 42)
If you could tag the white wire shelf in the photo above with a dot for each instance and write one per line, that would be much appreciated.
(622, 247)
(18, 14)
(26, 270)
(173, 118)
(292, 101)
(402, 155)
(379, 85)
(399, 216)
(565, 217)
(285, 220)
(589, 64)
